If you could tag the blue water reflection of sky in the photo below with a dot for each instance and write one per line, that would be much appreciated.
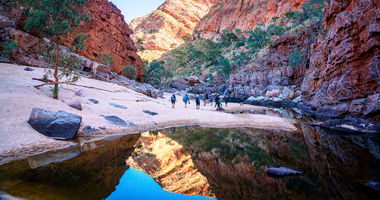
(137, 185)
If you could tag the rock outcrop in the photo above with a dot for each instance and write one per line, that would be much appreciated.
(167, 27)
(344, 74)
(243, 15)
(107, 31)
(61, 124)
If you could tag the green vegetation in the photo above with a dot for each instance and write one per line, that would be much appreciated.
(296, 58)
(129, 72)
(107, 60)
(232, 145)
(156, 74)
(55, 19)
(236, 48)
(8, 47)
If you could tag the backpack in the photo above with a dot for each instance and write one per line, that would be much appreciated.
(173, 98)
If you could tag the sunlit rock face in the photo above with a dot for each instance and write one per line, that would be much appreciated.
(243, 15)
(344, 74)
(169, 164)
(166, 28)
(107, 31)
(64, 174)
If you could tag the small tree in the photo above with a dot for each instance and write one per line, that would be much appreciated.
(156, 74)
(55, 19)
(296, 58)
(108, 61)
(258, 38)
(8, 47)
(129, 72)
(226, 66)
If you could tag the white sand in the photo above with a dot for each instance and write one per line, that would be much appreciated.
(18, 97)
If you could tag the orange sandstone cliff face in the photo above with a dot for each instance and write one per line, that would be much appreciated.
(243, 15)
(108, 33)
(166, 28)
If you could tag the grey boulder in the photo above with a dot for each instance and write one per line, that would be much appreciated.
(94, 101)
(29, 69)
(77, 105)
(88, 129)
(80, 93)
(281, 172)
(117, 105)
(150, 112)
(59, 125)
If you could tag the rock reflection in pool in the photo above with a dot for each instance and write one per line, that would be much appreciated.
(137, 185)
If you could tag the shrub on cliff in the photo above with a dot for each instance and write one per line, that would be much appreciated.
(8, 47)
(296, 58)
(156, 74)
(129, 72)
(56, 19)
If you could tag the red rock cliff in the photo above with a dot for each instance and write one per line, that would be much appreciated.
(344, 74)
(164, 29)
(243, 14)
(108, 33)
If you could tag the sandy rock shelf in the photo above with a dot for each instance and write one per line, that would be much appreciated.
(18, 97)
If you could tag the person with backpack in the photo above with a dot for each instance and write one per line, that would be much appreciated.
(205, 99)
(241, 101)
(217, 101)
(225, 100)
(173, 99)
(186, 100)
(198, 102)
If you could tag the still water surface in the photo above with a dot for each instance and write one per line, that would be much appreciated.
(184, 163)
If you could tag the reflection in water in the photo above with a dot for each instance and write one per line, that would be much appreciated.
(137, 185)
(234, 162)
(227, 164)
(169, 164)
(91, 175)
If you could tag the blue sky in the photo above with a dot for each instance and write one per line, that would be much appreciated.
(136, 8)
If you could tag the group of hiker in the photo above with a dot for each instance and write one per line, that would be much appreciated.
(206, 98)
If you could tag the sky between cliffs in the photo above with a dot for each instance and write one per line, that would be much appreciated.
(136, 8)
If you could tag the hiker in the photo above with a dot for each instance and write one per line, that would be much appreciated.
(173, 99)
(217, 101)
(225, 100)
(186, 100)
(212, 97)
(198, 102)
(241, 101)
(205, 99)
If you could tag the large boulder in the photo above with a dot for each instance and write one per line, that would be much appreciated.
(60, 125)
(282, 171)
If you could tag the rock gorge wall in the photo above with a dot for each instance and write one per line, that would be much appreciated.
(243, 15)
(107, 31)
(164, 29)
(341, 76)
(344, 74)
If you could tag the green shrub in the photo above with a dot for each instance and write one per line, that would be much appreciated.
(8, 47)
(296, 58)
(156, 74)
(129, 72)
